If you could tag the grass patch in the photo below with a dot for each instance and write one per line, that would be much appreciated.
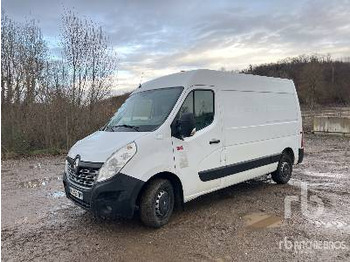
(34, 153)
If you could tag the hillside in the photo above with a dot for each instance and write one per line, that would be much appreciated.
(319, 80)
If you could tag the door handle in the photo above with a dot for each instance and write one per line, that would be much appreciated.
(214, 141)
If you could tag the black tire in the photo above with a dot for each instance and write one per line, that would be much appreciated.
(284, 170)
(157, 203)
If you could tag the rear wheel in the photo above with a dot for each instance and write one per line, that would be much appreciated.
(157, 203)
(284, 170)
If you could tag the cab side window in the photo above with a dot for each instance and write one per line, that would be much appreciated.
(187, 106)
(201, 104)
(203, 108)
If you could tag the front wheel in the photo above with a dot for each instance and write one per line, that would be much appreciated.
(284, 170)
(157, 203)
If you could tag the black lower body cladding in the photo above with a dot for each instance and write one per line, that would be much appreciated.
(301, 155)
(115, 197)
(228, 170)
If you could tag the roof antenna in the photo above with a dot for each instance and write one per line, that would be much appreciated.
(141, 80)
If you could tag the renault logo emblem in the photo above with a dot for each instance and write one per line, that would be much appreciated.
(76, 163)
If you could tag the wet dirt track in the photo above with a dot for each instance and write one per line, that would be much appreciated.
(243, 222)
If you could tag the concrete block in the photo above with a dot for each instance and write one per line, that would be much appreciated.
(331, 124)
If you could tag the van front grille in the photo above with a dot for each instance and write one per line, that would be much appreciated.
(84, 176)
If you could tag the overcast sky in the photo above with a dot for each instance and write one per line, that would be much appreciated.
(154, 38)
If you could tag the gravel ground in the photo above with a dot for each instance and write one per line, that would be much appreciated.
(244, 222)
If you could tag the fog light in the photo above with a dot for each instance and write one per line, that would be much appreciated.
(106, 210)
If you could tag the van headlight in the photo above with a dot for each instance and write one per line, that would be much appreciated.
(116, 162)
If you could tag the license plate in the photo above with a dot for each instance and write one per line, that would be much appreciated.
(76, 193)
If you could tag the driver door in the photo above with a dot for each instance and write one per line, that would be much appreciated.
(202, 150)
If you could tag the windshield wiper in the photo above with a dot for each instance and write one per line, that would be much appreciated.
(127, 126)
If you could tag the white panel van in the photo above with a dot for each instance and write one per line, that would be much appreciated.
(184, 135)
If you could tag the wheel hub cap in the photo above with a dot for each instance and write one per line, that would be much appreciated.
(162, 203)
(286, 169)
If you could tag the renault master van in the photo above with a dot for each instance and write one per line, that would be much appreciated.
(184, 135)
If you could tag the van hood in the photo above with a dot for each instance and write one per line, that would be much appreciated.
(98, 146)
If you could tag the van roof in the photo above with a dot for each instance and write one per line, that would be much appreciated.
(222, 80)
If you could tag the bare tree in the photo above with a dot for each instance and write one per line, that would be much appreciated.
(33, 54)
(101, 65)
(90, 66)
(312, 83)
(23, 54)
(90, 60)
(9, 32)
(73, 36)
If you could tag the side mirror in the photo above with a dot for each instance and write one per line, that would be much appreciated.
(184, 126)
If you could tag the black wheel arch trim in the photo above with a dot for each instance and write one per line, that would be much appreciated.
(176, 183)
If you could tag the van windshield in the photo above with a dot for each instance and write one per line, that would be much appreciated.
(144, 111)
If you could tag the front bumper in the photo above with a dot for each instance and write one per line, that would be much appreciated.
(115, 197)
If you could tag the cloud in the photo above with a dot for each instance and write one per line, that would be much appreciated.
(154, 38)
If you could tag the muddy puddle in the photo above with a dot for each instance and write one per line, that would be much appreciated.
(262, 221)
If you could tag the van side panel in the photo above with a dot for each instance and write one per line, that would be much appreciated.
(258, 125)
